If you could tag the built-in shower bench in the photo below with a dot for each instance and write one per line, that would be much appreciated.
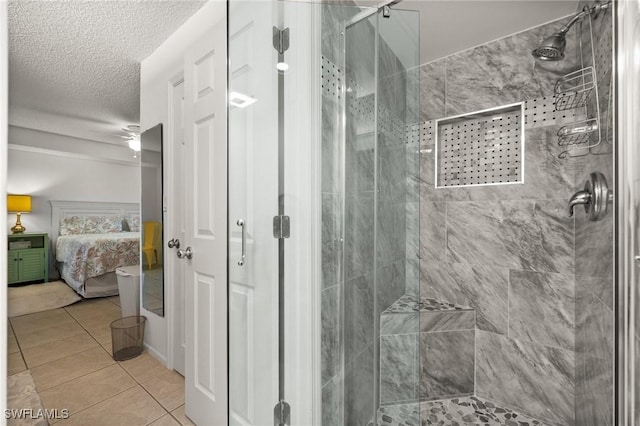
(427, 350)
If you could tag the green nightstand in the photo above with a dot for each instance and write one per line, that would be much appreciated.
(28, 258)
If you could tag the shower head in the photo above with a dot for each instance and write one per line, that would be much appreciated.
(551, 48)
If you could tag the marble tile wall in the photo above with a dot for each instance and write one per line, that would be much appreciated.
(508, 250)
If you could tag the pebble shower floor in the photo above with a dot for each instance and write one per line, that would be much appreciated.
(469, 410)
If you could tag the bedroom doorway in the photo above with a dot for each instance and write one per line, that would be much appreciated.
(87, 323)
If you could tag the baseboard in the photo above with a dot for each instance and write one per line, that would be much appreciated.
(157, 355)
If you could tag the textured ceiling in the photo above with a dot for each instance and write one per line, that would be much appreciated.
(74, 66)
(450, 26)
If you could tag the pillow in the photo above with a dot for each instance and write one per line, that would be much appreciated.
(103, 224)
(133, 221)
(72, 225)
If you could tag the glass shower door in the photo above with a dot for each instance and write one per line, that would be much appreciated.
(379, 287)
(274, 208)
(253, 199)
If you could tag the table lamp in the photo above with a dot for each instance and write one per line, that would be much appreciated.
(18, 204)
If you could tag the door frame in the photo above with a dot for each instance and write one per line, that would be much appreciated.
(4, 118)
(626, 157)
(170, 230)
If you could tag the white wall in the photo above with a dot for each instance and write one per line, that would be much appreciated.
(62, 171)
(158, 72)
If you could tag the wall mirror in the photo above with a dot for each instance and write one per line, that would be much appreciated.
(152, 221)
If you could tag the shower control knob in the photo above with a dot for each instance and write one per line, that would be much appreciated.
(595, 197)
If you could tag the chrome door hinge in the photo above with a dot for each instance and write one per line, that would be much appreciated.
(281, 39)
(282, 414)
(281, 228)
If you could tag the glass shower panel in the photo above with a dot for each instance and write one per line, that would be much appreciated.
(359, 313)
(253, 201)
(381, 206)
(347, 318)
(397, 207)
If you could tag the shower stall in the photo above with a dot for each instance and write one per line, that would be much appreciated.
(419, 212)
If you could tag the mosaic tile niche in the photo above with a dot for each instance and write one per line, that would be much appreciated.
(480, 148)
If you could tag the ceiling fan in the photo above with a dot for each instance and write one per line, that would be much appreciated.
(132, 136)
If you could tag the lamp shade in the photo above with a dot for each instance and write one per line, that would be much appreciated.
(19, 203)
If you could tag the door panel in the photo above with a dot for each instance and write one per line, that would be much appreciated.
(205, 197)
(31, 265)
(13, 266)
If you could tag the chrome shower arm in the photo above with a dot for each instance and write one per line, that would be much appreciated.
(595, 9)
(573, 20)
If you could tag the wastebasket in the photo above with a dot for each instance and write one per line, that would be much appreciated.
(129, 289)
(127, 337)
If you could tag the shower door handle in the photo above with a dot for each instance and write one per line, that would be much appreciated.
(242, 225)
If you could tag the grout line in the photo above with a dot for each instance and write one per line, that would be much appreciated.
(530, 342)
(73, 378)
(90, 334)
(15, 337)
(158, 402)
(174, 417)
(508, 303)
(98, 402)
(139, 383)
(111, 397)
(475, 352)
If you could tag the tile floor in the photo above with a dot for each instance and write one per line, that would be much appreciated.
(61, 359)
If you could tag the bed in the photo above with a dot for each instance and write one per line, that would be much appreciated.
(90, 243)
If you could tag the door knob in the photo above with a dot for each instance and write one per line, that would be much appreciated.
(595, 197)
(185, 253)
(174, 242)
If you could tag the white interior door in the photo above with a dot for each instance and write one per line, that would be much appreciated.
(176, 218)
(205, 107)
(253, 198)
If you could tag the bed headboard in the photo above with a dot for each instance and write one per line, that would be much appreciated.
(60, 209)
